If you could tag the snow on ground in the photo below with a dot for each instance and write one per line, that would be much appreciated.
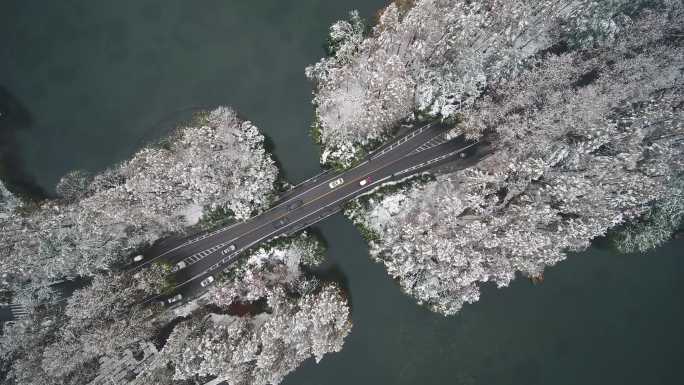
(8, 202)
(389, 206)
(192, 213)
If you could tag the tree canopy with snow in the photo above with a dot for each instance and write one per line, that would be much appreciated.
(300, 318)
(258, 349)
(433, 58)
(290, 317)
(219, 162)
(8, 202)
(588, 134)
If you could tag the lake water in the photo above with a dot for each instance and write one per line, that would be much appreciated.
(86, 83)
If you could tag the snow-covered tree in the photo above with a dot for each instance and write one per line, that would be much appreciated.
(8, 203)
(270, 266)
(259, 349)
(657, 225)
(57, 344)
(263, 345)
(73, 186)
(219, 163)
(433, 57)
(585, 141)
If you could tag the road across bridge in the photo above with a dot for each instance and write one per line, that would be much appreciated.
(310, 202)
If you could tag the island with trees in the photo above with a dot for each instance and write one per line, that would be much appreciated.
(257, 323)
(583, 98)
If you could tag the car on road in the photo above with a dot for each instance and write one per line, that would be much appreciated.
(178, 266)
(228, 249)
(294, 205)
(336, 182)
(175, 298)
(281, 222)
(138, 258)
(207, 281)
(365, 181)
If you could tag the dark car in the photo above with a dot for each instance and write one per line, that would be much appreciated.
(281, 222)
(294, 205)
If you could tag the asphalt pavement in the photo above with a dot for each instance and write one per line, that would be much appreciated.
(309, 202)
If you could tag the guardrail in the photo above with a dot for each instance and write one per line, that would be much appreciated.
(401, 141)
(326, 212)
(270, 236)
(435, 160)
(285, 197)
(323, 209)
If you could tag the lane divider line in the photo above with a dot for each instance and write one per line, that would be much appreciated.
(268, 236)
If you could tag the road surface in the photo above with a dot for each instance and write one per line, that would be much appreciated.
(311, 201)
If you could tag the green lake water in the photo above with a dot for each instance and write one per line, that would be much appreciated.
(84, 84)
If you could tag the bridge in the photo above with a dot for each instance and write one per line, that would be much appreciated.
(311, 201)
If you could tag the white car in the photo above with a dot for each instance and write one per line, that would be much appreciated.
(175, 298)
(178, 266)
(228, 249)
(365, 181)
(336, 182)
(138, 258)
(207, 281)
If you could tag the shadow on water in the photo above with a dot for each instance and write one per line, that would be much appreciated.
(270, 147)
(317, 234)
(13, 118)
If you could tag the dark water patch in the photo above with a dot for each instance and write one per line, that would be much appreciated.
(15, 117)
(162, 334)
(270, 147)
